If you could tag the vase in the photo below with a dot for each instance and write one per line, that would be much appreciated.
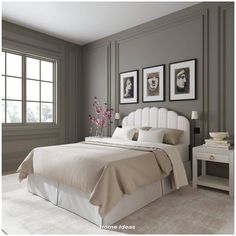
(90, 132)
(99, 132)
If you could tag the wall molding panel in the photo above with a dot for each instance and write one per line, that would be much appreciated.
(162, 26)
(11, 161)
(96, 70)
(12, 158)
(223, 78)
(68, 80)
(29, 137)
(205, 74)
(202, 16)
(167, 40)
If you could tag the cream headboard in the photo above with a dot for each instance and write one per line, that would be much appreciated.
(159, 118)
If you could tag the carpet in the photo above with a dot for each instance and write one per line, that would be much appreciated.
(185, 211)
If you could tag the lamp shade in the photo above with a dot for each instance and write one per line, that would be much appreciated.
(117, 116)
(195, 115)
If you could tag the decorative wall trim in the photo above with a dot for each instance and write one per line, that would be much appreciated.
(16, 155)
(109, 81)
(197, 12)
(161, 26)
(76, 107)
(117, 76)
(12, 158)
(106, 48)
(203, 15)
(154, 25)
(221, 70)
(97, 44)
(11, 161)
(33, 42)
(222, 10)
(28, 133)
(28, 47)
(209, 50)
(28, 137)
(205, 43)
(71, 106)
(11, 30)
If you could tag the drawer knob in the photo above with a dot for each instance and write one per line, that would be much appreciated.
(211, 157)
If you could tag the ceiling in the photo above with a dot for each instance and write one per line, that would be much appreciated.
(84, 22)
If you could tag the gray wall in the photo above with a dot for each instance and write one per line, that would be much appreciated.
(204, 31)
(18, 141)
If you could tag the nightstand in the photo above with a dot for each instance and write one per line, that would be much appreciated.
(214, 155)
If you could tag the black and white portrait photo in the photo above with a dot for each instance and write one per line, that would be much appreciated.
(129, 87)
(153, 83)
(182, 80)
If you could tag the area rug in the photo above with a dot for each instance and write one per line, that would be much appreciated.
(185, 211)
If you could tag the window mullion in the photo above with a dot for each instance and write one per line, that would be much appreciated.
(54, 93)
(40, 79)
(24, 89)
(5, 88)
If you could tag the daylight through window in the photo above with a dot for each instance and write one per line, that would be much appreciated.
(28, 88)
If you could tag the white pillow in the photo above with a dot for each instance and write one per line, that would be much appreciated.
(125, 133)
(153, 136)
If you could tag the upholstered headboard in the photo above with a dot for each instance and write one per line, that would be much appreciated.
(159, 118)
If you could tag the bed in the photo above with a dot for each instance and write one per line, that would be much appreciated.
(126, 201)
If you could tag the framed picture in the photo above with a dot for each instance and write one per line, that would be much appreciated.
(183, 80)
(129, 87)
(153, 83)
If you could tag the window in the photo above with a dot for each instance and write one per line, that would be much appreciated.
(28, 88)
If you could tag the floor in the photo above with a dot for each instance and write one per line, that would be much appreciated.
(186, 211)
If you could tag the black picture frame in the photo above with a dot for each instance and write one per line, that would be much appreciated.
(182, 80)
(158, 92)
(129, 87)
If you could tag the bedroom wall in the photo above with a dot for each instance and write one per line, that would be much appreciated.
(17, 141)
(204, 31)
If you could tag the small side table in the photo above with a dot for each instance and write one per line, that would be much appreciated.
(214, 155)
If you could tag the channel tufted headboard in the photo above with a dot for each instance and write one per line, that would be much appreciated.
(159, 118)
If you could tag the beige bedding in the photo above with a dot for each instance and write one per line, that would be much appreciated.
(106, 170)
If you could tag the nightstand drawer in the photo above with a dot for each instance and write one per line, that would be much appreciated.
(212, 157)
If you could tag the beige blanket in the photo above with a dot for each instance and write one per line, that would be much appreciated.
(107, 171)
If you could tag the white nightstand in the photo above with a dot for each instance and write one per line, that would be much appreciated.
(216, 155)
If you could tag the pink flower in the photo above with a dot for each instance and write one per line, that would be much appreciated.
(106, 114)
(98, 109)
(103, 114)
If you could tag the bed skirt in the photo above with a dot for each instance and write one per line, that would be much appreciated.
(78, 202)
